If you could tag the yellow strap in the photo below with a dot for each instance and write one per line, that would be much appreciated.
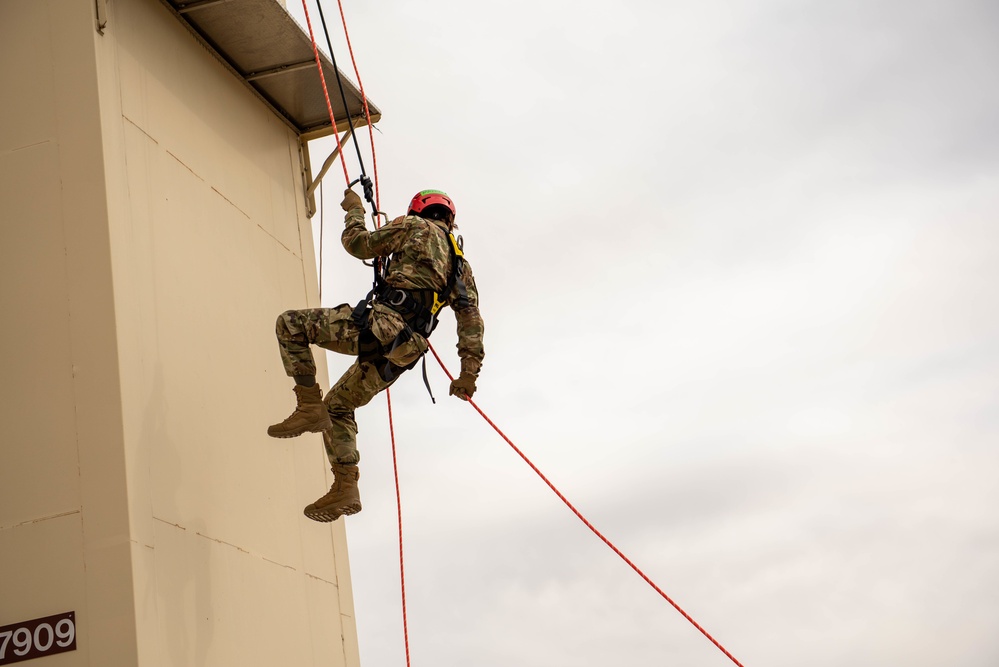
(457, 251)
(454, 242)
(436, 305)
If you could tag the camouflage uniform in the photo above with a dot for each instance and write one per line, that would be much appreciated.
(420, 259)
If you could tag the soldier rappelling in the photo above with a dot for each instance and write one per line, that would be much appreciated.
(423, 270)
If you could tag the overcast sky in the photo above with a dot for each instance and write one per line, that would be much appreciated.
(738, 267)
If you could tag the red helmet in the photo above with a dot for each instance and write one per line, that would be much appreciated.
(427, 198)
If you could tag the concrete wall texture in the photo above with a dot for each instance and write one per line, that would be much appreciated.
(152, 226)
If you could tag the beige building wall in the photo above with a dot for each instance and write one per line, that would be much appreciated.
(152, 227)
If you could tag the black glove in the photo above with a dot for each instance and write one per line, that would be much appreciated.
(464, 386)
(350, 200)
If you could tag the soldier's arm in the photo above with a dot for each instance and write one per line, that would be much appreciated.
(470, 327)
(361, 243)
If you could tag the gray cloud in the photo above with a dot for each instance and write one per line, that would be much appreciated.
(737, 265)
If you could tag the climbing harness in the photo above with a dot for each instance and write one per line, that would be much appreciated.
(419, 309)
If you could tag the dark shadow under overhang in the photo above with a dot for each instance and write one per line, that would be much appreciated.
(263, 45)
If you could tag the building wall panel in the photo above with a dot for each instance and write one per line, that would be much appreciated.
(40, 472)
(52, 158)
(42, 574)
(210, 244)
(209, 613)
(28, 82)
(152, 229)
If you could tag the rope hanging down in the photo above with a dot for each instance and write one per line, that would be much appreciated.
(326, 93)
(369, 194)
(364, 102)
(586, 522)
(366, 184)
(370, 190)
(398, 507)
(373, 199)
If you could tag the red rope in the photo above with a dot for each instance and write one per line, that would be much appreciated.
(364, 101)
(326, 93)
(398, 505)
(586, 522)
(388, 393)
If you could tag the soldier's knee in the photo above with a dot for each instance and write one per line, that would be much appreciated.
(282, 327)
(338, 407)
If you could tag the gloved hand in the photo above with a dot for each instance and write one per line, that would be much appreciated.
(464, 386)
(350, 200)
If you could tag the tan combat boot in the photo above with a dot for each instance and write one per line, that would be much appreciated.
(343, 498)
(310, 414)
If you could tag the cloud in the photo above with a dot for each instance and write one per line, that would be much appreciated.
(736, 264)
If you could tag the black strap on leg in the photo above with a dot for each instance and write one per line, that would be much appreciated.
(426, 381)
(362, 310)
(369, 349)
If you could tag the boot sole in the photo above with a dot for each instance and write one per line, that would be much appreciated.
(327, 515)
(313, 428)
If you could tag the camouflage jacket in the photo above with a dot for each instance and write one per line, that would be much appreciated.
(420, 259)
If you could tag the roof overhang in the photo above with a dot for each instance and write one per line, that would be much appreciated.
(263, 45)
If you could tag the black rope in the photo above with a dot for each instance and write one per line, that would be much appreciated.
(366, 183)
(364, 180)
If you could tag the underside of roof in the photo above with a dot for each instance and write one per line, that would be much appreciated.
(263, 45)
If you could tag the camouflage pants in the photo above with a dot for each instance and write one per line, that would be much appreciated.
(333, 329)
